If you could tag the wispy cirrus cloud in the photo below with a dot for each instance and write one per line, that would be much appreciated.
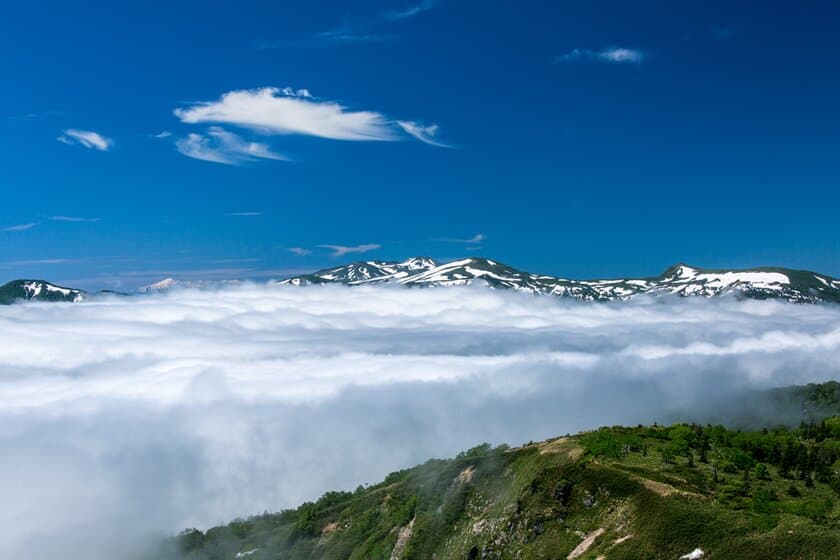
(299, 251)
(358, 31)
(21, 227)
(73, 219)
(348, 33)
(474, 240)
(35, 116)
(244, 214)
(424, 133)
(218, 145)
(40, 262)
(86, 138)
(287, 111)
(410, 11)
(616, 55)
(341, 250)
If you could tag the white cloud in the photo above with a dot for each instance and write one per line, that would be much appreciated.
(87, 138)
(423, 133)
(153, 413)
(299, 251)
(410, 11)
(289, 111)
(341, 250)
(614, 54)
(221, 146)
(271, 110)
(21, 227)
(163, 134)
(245, 214)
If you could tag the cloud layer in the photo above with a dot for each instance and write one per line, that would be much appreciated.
(124, 417)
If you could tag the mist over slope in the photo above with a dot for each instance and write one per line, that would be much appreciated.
(123, 417)
(618, 493)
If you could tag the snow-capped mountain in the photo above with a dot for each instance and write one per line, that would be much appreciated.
(367, 272)
(681, 280)
(170, 283)
(160, 286)
(38, 290)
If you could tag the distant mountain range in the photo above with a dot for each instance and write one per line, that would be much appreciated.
(679, 280)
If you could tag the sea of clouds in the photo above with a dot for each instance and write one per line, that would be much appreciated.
(123, 418)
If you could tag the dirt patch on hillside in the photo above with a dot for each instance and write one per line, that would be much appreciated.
(662, 488)
(466, 475)
(402, 540)
(584, 545)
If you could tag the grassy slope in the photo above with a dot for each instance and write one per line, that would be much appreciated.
(663, 490)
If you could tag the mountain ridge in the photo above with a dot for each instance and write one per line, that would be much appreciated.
(680, 279)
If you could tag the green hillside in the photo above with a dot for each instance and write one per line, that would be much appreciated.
(615, 493)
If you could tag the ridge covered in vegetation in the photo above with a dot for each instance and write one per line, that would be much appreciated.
(612, 493)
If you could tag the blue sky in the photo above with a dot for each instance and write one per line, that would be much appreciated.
(585, 139)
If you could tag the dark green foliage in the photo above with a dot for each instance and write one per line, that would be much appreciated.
(190, 539)
(613, 442)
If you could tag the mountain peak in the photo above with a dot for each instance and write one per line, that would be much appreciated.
(418, 263)
(680, 270)
(159, 286)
